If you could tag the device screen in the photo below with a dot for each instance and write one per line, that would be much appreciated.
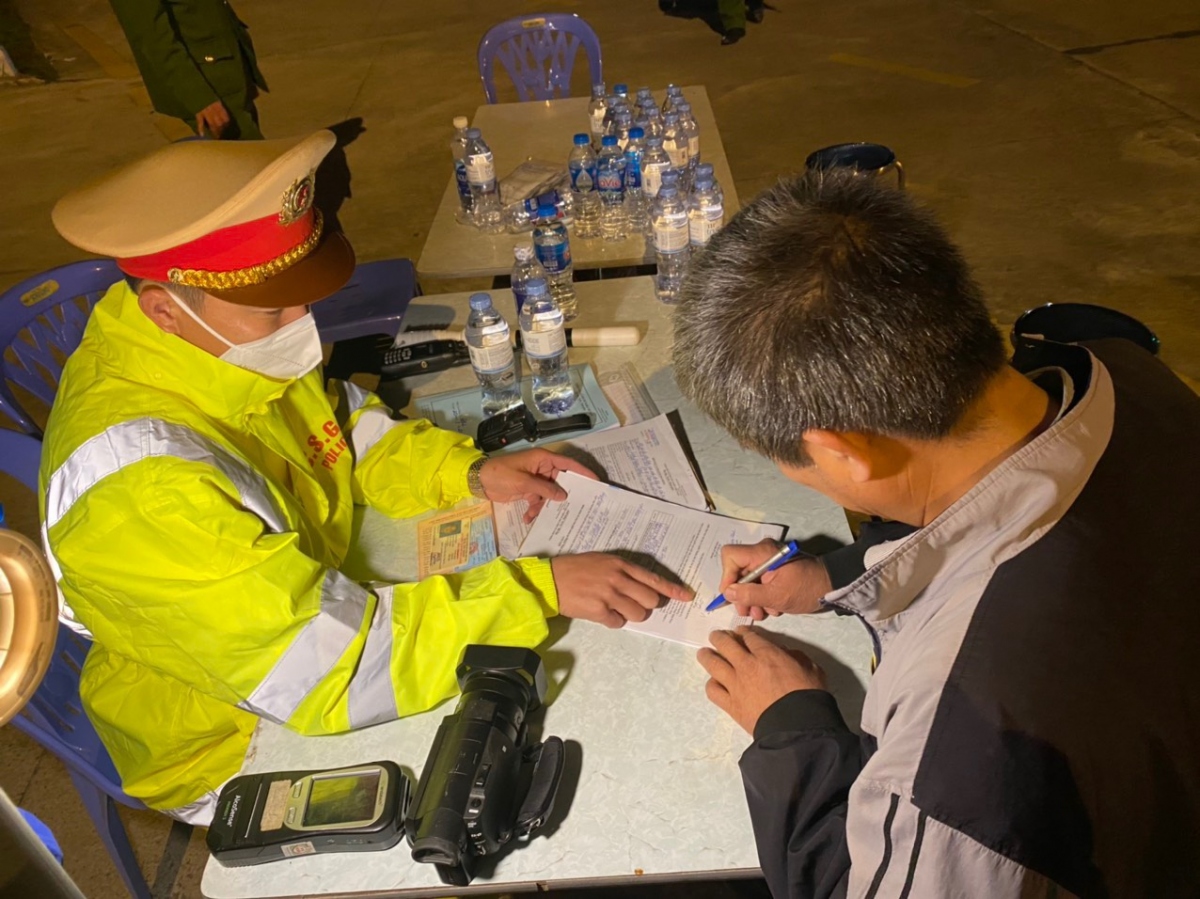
(342, 799)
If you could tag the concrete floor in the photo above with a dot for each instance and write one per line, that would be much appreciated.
(1059, 141)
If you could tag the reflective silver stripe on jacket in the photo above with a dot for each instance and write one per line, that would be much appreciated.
(313, 652)
(130, 442)
(371, 425)
(351, 398)
(372, 698)
(143, 438)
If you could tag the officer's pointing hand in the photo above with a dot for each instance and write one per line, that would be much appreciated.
(527, 475)
(609, 590)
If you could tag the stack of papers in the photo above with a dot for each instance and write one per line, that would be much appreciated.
(680, 543)
(648, 506)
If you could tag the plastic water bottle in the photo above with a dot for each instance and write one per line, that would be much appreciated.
(481, 175)
(675, 141)
(654, 163)
(585, 200)
(596, 110)
(610, 180)
(670, 243)
(643, 97)
(653, 126)
(545, 346)
(706, 208)
(635, 197)
(674, 96)
(525, 269)
(553, 248)
(622, 123)
(492, 356)
(687, 122)
(458, 148)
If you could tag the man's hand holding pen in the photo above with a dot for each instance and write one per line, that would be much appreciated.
(794, 588)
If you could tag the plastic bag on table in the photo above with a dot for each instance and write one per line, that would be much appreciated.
(531, 183)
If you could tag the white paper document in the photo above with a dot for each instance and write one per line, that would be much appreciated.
(681, 543)
(646, 458)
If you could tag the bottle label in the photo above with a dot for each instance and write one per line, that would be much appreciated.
(583, 178)
(480, 169)
(555, 257)
(670, 237)
(694, 147)
(541, 344)
(609, 179)
(702, 227)
(496, 354)
(519, 294)
(460, 177)
(678, 152)
(652, 177)
(633, 171)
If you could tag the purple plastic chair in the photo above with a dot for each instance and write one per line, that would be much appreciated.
(372, 302)
(54, 718)
(538, 53)
(41, 323)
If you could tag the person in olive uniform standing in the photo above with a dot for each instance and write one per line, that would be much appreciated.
(198, 63)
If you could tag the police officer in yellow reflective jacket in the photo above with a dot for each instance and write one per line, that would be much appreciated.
(198, 487)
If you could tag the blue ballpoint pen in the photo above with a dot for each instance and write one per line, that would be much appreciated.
(790, 550)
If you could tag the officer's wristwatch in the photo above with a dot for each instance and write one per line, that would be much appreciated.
(473, 483)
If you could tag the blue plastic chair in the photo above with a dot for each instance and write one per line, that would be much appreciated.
(55, 718)
(372, 302)
(538, 53)
(41, 323)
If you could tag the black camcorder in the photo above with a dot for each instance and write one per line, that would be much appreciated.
(483, 783)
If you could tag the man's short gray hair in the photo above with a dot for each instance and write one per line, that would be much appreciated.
(193, 296)
(832, 302)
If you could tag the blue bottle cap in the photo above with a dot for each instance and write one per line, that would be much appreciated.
(670, 176)
(480, 301)
(636, 133)
(703, 184)
(704, 170)
(581, 139)
(609, 140)
(474, 133)
(668, 190)
(620, 88)
(534, 286)
(671, 117)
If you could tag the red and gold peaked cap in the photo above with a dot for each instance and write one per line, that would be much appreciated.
(233, 218)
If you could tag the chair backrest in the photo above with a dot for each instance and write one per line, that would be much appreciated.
(538, 52)
(373, 301)
(41, 323)
(54, 717)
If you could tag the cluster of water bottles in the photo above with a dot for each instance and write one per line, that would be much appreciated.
(543, 341)
(647, 179)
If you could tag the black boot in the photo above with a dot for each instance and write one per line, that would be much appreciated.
(733, 35)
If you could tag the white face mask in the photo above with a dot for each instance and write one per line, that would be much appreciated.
(289, 353)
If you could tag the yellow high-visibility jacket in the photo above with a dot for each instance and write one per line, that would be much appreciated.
(196, 515)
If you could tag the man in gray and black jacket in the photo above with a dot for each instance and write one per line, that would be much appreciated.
(1032, 726)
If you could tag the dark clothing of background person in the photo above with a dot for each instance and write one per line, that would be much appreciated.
(192, 54)
(1033, 726)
